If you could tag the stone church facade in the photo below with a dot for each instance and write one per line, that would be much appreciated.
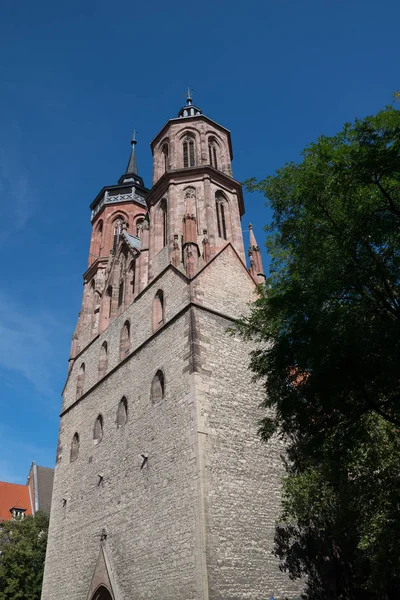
(162, 488)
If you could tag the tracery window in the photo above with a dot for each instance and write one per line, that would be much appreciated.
(189, 158)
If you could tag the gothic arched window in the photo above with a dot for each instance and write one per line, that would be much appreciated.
(122, 412)
(125, 341)
(98, 429)
(98, 239)
(131, 280)
(212, 152)
(220, 206)
(189, 157)
(138, 226)
(103, 360)
(158, 310)
(165, 153)
(80, 381)
(164, 222)
(74, 448)
(157, 387)
(117, 232)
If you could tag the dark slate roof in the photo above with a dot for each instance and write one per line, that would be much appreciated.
(45, 477)
(131, 240)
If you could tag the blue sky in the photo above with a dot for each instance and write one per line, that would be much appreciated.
(77, 77)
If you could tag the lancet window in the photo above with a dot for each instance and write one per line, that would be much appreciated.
(122, 412)
(80, 381)
(103, 360)
(98, 429)
(164, 222)
(158, 310)
(165, 153)
(117, 232)
(157, 387)
(221, 208)
(212, 152)
(189, 157)
(125, 341)
(74, 448)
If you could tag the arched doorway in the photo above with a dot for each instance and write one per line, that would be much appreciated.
(102, 593)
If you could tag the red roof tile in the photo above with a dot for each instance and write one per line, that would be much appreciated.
(13, 495)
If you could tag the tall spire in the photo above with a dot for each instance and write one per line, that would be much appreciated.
(131, 174)
(131, 169)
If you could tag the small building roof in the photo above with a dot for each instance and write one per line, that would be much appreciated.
(13, 495)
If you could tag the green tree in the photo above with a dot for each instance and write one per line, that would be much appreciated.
(328, 331)
(22, 553)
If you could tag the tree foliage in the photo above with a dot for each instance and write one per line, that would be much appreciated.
(22, 553)
(328, 332)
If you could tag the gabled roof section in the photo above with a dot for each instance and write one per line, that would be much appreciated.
(13, 495)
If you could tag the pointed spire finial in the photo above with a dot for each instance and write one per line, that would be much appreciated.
(132, 166)
(189, 98)
(253, 243)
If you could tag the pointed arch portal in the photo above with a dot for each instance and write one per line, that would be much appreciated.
(102, 593)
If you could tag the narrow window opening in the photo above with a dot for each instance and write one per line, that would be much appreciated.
(122, 412)
(191, 153)
(217, 205)
(98, 430)
(120, 294)
(164, 223)
(117, 233)
(74, 448)
(103, 360)
(80, 381)
(215, 157)
(223, 223)
(157, 387)
(165, 151)
(132, 276)
(124, 340)
(158, 310)
(109, 300)
(185, 154)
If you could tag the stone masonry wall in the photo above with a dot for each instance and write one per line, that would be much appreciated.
(242, 474)
(151, 515)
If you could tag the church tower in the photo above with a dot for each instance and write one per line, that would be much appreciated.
(162, 489)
